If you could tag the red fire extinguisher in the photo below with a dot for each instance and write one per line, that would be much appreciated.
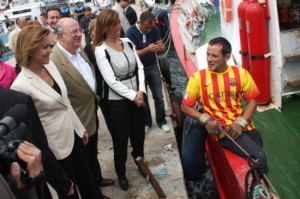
(257, 16)
(243, 33)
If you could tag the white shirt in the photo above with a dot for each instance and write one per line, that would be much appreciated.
(121, 11)
(81, 65)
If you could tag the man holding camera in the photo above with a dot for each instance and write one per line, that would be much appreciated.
(54, 173)
(21, 188)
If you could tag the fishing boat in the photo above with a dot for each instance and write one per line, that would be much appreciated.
(267, 49)
(10, 11)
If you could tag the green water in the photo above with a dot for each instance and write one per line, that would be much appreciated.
(281, 135)
(212, 29)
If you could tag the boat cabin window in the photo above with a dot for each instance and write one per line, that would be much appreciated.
(21, 11)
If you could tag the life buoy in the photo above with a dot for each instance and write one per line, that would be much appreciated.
(226, 9)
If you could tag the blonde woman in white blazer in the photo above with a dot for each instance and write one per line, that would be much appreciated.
(65, 133)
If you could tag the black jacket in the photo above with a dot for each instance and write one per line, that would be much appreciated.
(54, 173)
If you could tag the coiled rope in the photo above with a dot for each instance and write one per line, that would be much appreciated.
(258, 172)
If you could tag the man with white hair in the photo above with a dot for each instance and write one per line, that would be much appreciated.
(79, 76)
(14, 34)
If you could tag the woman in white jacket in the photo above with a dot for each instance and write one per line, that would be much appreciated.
(65, 133)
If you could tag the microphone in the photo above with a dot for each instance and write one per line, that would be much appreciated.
(12, 118)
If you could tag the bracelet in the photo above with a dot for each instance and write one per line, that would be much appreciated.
(242, 122)
(204, 117)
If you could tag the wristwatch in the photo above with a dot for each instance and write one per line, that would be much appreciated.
(25, 179)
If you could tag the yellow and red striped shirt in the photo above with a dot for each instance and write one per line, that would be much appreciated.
(221, 94)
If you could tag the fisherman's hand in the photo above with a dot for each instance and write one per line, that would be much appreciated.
(212, 126)
(236, 128)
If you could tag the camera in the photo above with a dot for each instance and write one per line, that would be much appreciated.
(8, 146)
(12, 132)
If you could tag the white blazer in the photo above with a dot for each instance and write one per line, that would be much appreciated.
(55, 111)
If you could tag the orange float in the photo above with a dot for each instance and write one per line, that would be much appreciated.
(226, 9)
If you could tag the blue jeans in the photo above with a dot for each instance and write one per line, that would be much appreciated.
(153, 79)
(192, 150)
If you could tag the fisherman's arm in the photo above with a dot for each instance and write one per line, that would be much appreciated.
(212, 126)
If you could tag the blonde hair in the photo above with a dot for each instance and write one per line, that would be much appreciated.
(92, 28)
(106, 19)
(32, 23)
(29, 41)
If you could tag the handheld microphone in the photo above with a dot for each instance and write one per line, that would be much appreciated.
(12, 118)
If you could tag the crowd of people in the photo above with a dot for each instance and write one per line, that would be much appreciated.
(63, 83)
(66, 84)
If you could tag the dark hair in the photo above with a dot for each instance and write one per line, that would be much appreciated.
(51, 8)
(147, 16)
(43, 14)
(87, 9)
(226, 46)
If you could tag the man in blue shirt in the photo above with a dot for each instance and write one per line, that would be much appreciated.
(148, 43)
(65, 11)
(79, 11)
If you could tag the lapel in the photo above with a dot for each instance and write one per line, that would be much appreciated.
(42, 86)
(71, 70)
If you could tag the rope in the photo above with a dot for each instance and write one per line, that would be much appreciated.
(257, 167)
(257, 170)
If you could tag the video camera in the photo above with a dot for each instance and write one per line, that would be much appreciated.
(12, 132)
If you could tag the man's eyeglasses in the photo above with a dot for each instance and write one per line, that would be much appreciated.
(75, 31)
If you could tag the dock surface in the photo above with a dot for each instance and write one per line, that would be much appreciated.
(162, 156)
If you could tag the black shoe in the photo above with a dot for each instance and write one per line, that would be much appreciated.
(106, 182)
(123, 183)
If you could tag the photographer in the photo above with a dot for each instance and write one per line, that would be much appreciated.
(22, 188)
(54, 173)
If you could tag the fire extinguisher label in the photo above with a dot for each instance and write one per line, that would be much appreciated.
(240, 23)
(248, 26)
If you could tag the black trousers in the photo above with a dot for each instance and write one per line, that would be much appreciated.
(77, 167)
(251, 142)
(92, 153)
(125, 120)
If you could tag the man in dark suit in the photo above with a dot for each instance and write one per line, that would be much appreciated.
(54, 174)
(79, 77)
